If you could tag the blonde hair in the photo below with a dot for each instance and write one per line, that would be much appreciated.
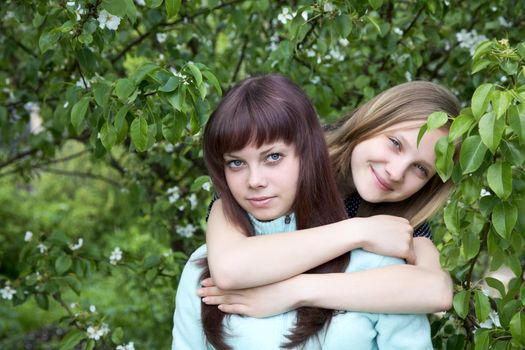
(412, 101)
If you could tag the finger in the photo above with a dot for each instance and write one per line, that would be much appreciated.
(219, 299)
(209, 291)
(238, 309)
(411, 257)
(207, 282)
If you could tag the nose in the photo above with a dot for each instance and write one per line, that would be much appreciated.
(256, 178)
(396, 169)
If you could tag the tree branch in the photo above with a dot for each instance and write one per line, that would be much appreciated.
(81, 175)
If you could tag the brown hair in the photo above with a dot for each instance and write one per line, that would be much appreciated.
(266, 109)
(412, 101)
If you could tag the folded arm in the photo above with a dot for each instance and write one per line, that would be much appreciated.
(237, 261)
(420, 288)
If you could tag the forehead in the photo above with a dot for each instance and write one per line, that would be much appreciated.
(266, 146)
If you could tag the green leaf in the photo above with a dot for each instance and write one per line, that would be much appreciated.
(42, 301)
(142, 71)
(499, 178)
(48, 40)
(73, 283)
(115, 7)
(102, 93)
(461, 303)
(108, 136)
(479, 65)
(90, 345)
(451, 217)
(472, 154)
(173, 126)
(482, 49)
(117, 336)
(504, 218)
(500, 102)
(480, 99)
(421, 133)
(481, 339)
(513, 153)
(153, 3)
(197, 184)
(210, 77)
(71, 339)
(176, 100)
(471, 244)
(139, 133)
(172, 7)
(460, 126)
(151, 261)
(436, 120)
(196, 73)
(343, 23)
(444, 158)
(78, 113)
(482, 306)
(517, 327)
(517, 122)
(375, 3)
(491, 129)
(375, 23)
(171, 84)
(124, 88)
(62, 264)
(496, 284)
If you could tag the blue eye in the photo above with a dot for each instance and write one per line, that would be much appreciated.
(274, 157)
(235, 163)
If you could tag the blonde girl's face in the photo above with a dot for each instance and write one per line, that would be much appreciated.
(263, 180)
(390, 167)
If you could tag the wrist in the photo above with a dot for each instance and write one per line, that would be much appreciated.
(354, 233)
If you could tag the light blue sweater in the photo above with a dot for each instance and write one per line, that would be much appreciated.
(347, 330)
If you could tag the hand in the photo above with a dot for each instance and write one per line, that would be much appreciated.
(263, 301)
(387, 235)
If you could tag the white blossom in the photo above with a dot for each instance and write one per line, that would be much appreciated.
(107, 20)
(285, 15)
(408, 76)
(344, 42)
(28, 236)
(116, 256)
(66, 104)
(82, 83)
(186, 231)
(71, 4)
(168, 147)
(503, 22)
(304, 14)
(42, 247)
(193, 200)
(140, 2)
(128, 346)
(446, 2)
(181, 207)
(161, 37)
(493, 319)
(310, 53)
(337, 55)
(77, 245)
(174, 194)
(469, 40)
(96, 332)
(7, 292)
(92, 308)
(206, 186)
(315, 80)
(73, 305)
(484, 193)
(398, 31)
(328, 7)
(180, 75)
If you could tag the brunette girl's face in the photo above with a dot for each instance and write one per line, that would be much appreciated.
(263, 180)
(390, 167)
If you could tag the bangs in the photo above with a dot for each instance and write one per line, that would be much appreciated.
(255, 123)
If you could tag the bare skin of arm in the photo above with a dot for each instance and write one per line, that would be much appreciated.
(237, 261)
(420, 288)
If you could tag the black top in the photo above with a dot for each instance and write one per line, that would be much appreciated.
(353, 201)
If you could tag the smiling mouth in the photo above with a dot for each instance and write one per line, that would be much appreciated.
(382, 183)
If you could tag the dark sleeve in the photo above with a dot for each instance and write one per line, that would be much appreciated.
(423, 231)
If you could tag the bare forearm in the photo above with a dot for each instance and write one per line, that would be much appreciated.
(392, 289)
(260, 260)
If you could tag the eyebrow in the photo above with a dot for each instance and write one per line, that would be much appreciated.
(405, 142)
(265, 151)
